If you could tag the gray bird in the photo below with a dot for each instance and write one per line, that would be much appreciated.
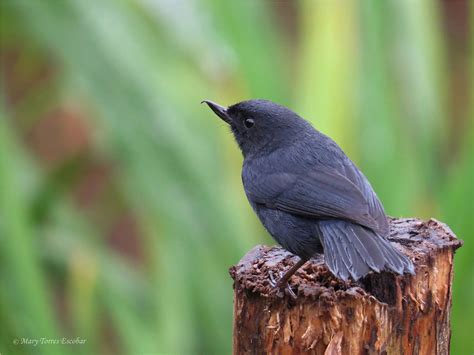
(308, 194)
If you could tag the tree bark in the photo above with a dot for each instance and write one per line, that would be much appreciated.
(380, 314)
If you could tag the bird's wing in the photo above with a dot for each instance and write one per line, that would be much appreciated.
(375, 207)
(316, 194)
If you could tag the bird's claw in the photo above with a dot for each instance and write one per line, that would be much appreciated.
(290, 291)
(279, 288)
(273, 283)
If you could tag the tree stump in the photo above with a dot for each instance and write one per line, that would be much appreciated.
(380, 314)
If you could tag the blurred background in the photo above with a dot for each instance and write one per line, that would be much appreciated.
(121, 205)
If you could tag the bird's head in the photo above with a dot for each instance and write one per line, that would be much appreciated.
(261, 125)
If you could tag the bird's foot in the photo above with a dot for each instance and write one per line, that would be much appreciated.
(273, 282)
(290, 291)
(280, 286)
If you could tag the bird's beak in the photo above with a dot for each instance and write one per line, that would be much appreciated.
(219, 111)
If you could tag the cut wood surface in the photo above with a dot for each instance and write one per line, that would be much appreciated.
(380, 314)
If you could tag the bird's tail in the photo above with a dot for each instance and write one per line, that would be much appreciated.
(351, 250)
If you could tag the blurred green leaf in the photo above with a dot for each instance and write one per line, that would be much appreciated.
(24, 286)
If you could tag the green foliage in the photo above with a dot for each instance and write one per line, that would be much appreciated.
(371, 74)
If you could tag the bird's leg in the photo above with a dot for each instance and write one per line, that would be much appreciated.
(286, 277)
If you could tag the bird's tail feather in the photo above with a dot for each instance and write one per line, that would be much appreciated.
(353, 251)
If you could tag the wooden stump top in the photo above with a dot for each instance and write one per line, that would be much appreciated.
(415, 238)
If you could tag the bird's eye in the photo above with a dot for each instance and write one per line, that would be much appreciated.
(248, 123)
